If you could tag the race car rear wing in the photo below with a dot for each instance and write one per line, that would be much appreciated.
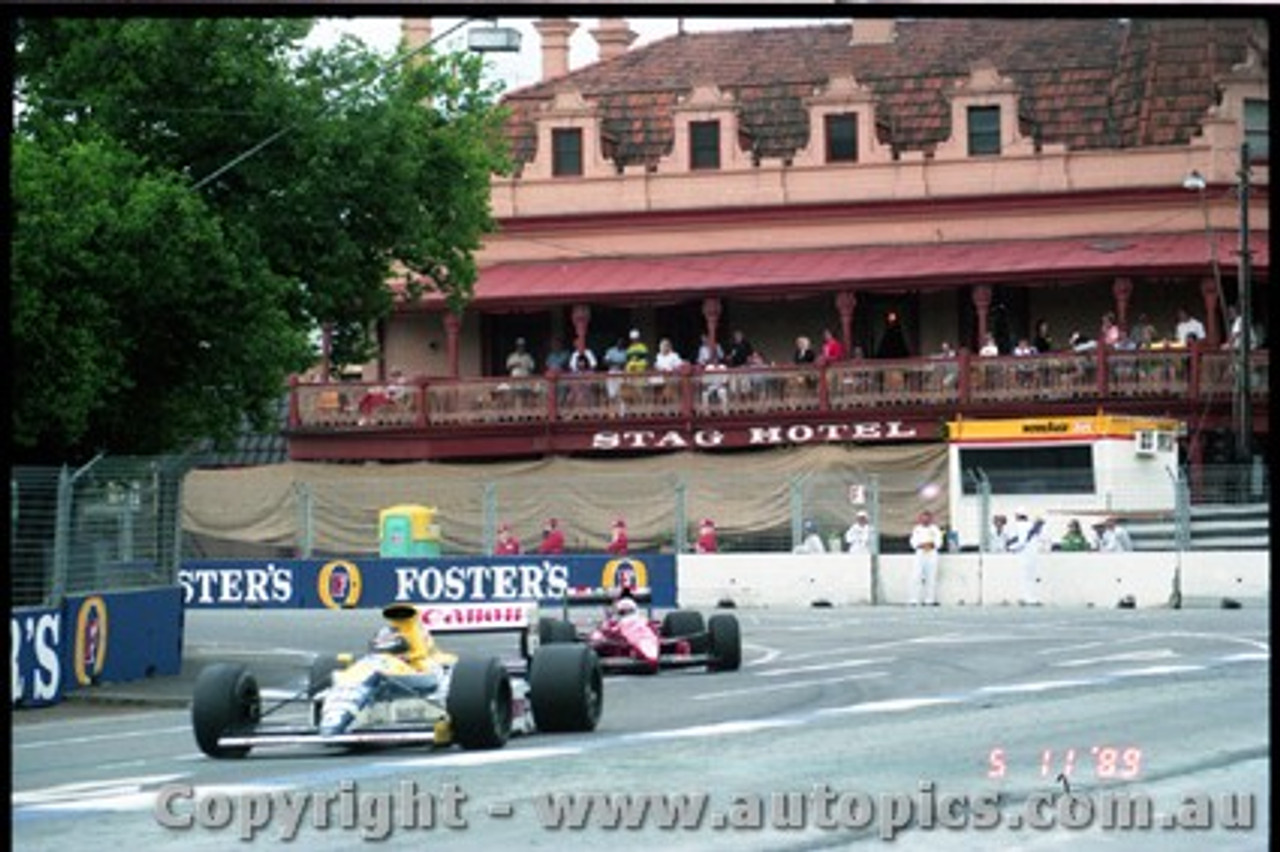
(578, 596)
(518, 617)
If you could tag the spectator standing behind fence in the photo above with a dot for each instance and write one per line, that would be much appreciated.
(1115, 538)
(810, 540)
(668, 360)
(520, 362)
(1187, 328)
(552, 538)
(858, 537)
(1073, 540)
(1041, 340)
(804, 353)
(1026, 543)
(507, 544)
(706, 542)
(637, 354)
(708, 352)
(558, 357)
(583, 360)
(925, 540)
(998, 538)
(989, 348)
(832, 348)
(618, 538)
(740, 350)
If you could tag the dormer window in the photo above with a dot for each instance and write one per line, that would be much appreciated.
(984, 130)
(1257, 119)
(842, 137)
(566, 152)
(704, 145)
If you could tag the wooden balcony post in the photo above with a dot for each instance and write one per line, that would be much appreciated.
(982, 305)
(1209, 293)
(452, 336)
(1193, 379)
(1102, 383)
(963, 379)
(421, 392)
(553, 395)
(824, 388)
(686, 390)
(846, 303)
(1122, 291)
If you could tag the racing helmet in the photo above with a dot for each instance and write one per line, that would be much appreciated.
(626, 606)
(388, 640)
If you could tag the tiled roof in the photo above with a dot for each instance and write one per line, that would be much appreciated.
(249, 448)
(1086, 83)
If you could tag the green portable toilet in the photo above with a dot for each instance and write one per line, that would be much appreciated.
(408, 531)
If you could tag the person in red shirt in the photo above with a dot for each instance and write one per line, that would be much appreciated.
(832, 349)
(618, 538)
(507, 544)
(706, 537)
(552, 538)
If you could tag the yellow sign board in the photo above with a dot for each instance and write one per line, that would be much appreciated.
(1078, 427)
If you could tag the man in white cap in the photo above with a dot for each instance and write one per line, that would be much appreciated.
(926, 539)
(1026, 543)
(858, 537)
(810, 541)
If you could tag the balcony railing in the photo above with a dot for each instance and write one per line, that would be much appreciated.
(1101, 376)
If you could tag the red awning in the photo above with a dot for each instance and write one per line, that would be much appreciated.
(794, 273)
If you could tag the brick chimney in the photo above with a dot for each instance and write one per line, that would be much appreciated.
(613, 37)
(873, 31)
(555, 34)
(415, 32)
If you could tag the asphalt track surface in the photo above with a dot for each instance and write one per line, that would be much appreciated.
(834, 712)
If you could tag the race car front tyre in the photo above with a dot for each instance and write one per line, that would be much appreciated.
(725, 639)
(479, 703)
(566, 688)
(554, 631)
(681, 623)
(226, 701)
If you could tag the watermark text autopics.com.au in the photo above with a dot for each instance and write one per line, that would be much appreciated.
(409, 806)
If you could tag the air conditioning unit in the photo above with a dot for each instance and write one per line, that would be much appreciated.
(1144, 442)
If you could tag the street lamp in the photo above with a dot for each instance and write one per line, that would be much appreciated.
(493, 39)
(1243, 409)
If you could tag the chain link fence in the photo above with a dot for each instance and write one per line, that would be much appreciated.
(113, 524)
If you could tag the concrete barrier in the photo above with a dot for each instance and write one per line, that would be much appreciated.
(1098, 580)
(773, 579)
(1208, 576)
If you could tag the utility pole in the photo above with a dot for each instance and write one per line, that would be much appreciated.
(1244, 414)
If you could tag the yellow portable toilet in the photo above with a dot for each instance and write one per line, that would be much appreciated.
(408, 530)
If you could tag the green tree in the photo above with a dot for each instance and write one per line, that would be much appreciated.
(163, 289)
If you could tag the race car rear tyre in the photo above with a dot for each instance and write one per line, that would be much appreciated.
(479, 703)
(321, 674)
(725, 640)
(226, 701)
(554, 631)
(681, 623)
(566, 688)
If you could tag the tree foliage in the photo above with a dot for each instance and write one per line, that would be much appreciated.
(164, 288)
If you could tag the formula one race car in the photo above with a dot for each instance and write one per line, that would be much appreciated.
(405, 690)
(628, 640)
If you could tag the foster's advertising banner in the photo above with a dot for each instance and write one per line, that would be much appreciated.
(375, 582)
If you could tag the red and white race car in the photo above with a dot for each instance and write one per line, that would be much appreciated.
(628, 639)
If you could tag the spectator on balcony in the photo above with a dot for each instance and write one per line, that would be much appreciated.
(804, 353)
(832, 348)
(520, 363)
(1189, 329)
(1114, 538)
(637, 354)
(740, 350)
(583, 360)
(944, 351)
(706, 542)
(715, 386)
(1142, 332)
(615, 361)
(398, 390)
(552, 538)
(989, 349)
(925, 540)
(1041, 340)
(810, 541)
(1082, 342)
(618, 538)
(1235, 332)
(893, 343)
(1109, 333)
(667, 360)
(557, 356)
(858, 537)
(1024, 348)
(1074, 540)
(708, 352)
(507, 543)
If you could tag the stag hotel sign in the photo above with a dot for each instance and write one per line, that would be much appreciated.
(771, 435)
